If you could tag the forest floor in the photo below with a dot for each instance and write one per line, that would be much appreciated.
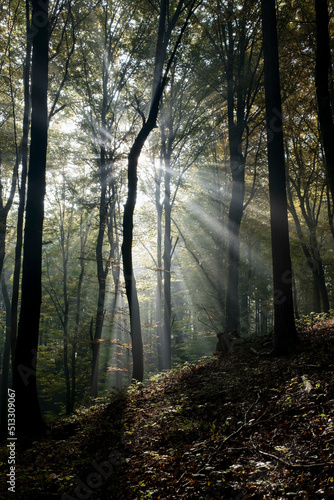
(245, 426)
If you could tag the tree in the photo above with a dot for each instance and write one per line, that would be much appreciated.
(237, 52)
(307, 183)
(285, 335)
(182, 125)
(108, 61)
(322, 73)
(167, 23)
(29, 418)
(22, 186)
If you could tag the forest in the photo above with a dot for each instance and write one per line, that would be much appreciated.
(166, 205)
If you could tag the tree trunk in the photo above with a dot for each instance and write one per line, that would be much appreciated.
(64, 251)
(158, 206)
(235, 98)
(130, 283)
(285, 335)
(29, 420)
(83, 240)
(22, 189)
(319, 274)
(167, 268)
(322, 67)
(102, 273)
(234, 223)
(165, 28)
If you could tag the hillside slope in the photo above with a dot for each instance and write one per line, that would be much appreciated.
(246, 426)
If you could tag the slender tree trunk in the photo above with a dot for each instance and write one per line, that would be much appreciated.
(29, 419)
(234, 223)
(295, 301)
(285, 335)
(319, 282)
(237, 163)
(83, 240)
(158, 205)
(322, 68)
(22, 189)
(165, 29)
(64, 251)
(167, 268)
(312, 254)
(102, 273)
(130, 283)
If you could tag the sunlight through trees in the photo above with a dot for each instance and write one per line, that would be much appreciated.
(149, 200)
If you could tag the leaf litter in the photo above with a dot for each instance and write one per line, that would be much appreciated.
(245, 426)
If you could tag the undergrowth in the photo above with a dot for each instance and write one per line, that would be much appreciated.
(245, 426)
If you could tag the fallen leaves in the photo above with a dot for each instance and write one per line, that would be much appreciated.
(248, 426)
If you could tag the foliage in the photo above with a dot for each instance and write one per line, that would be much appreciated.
(101, 55)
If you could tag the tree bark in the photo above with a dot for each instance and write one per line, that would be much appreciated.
(285, 335)
(234, 223)
(102, 273)
(158, 205)
(311, 252)
(22, 189)
(166, 347)
(130, 282)
(165, 29)
(29, 420)
(322, 67)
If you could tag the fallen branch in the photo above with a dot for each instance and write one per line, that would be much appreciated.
(295, 466)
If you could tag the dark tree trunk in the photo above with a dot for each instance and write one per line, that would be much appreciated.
(322, 68)
(29, 420)
(312, 254)
(285, 335)
(236, 126)
(234, 223)
(318, 273)
(316, 295)
(165, 28)
(102, 272)
(130, 283)
(22, 189)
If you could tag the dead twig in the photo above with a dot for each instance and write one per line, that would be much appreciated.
(295, 466)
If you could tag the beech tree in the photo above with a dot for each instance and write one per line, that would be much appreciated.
(233, 36)
(168, 19)
(285, 334)
(24, 368)
(322, 83)
(106, 66)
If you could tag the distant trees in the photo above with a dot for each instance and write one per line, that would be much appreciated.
(168, 19)
(106, 67)
(236, 51)
(188, 75)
